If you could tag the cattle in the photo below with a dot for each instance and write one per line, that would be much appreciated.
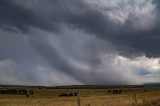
(115, 91)
(109, 91)
(14, 91)
(71, 94)
(145, 90)
(68, 94)
(31, 92)
(3, 92)
(75, 94)
(63, 94)
(22, 92)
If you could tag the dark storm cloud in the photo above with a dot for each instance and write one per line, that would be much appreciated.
(14, 16)
(77, 49)
(136, 41)
(81, 15)
(74, 13)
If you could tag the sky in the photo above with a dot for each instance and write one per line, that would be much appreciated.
(79, 42)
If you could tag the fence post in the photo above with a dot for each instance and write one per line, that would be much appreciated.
(135, 97)
(78, 99)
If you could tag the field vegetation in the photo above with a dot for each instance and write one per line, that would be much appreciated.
(88, 97)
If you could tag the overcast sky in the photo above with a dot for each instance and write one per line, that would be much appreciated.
(76, 42)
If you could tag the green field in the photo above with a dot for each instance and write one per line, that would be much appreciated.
(88, 97)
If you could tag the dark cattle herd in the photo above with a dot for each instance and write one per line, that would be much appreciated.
(67, 94)
(27, 92)
(115, 91)
(16, 91)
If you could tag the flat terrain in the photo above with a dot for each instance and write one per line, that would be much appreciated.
(88, 97)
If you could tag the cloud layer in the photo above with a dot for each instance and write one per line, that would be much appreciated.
(79, 42)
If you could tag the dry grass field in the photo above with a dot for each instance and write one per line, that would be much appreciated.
(88, 97)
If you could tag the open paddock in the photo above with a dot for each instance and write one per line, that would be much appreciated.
(88, 97)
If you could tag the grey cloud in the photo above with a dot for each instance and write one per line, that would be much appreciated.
(14, 73)
(75, 50)
(58, 57)
(81, 15)
(14, 16)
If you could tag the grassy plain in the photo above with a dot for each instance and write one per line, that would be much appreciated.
(88, 97)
